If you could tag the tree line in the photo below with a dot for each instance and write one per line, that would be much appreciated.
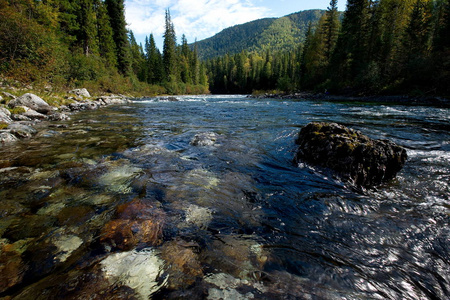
(68, 43)
(384, 46)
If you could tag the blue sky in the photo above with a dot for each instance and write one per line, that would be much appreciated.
(200, 19)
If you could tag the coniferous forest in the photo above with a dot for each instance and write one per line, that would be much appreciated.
(85, 43)
(384, 46)
(374, 47)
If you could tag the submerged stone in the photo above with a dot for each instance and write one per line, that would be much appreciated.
(183, 263)
(138, 270)
(354, 156)
(22, 131)
(6, 138)
(137, 222)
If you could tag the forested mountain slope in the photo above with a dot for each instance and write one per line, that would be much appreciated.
(284, 33)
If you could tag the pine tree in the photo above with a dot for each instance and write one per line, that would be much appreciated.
(154, 62)
(330, 28)
(116, 13)
(350, 57)
(87, 33)
(106, 46)
(169, 50)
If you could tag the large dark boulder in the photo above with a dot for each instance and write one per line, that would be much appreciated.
(352, 155)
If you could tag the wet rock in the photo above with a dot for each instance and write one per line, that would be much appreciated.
(238, 255)
(21, 130)
(5, 116)
(75, 215)
(31, 101)
(58, 117)
(29, 226)
(48, 133)
(11, 208)
(81, 92)
(5, 111)
(354, 156)
(204, 139)
(12, 268)
(113, 99)
(198, 216)
(183, 264)
(6, 138)
(139, 270)
(66, 245)
(18, 117)
(34, 115)
(137, 222)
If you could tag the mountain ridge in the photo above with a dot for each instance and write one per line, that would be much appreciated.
(284, 33)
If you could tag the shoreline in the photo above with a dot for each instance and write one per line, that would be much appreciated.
(20, 116)
(392, 100)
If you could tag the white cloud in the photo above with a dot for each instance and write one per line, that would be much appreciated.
(195, 18)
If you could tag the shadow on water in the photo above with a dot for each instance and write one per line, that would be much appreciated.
(199, 198)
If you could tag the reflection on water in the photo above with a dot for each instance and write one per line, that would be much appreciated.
(199, 199)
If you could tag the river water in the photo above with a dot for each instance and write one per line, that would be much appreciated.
(199, 199)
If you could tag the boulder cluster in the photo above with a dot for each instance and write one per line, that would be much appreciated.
(17, 120)
(351, 154)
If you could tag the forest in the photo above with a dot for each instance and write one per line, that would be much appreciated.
(85, 43)
(377, 47)
(374, 47)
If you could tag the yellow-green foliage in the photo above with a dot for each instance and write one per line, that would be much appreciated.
(3, 125)
(17, 110)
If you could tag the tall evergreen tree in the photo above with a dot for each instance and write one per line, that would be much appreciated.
(330, 28)
(87, 33)
(169, 50)
(116, 12)
(154, 62)
(106, 45)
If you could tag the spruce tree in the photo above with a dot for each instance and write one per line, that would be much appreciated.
(330, 28)
(87, 33)
(169, 50)
(116, 13)
(106, 45)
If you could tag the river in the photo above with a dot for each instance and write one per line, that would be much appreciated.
(200, 199)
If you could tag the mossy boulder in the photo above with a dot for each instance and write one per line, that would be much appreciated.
(352, 155)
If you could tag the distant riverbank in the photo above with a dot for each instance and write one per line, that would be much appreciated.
(399, 99)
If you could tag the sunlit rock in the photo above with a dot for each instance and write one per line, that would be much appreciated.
(138, 270)
(119, 178)
(58, 117)
(5, 116)
(354, 156)
(66, 245)
(81, 92)
(6, 138)
(199, 216)
(34, 115)
(31, 101)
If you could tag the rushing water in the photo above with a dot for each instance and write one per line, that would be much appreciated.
(228, 217)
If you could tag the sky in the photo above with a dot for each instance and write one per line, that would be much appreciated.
(200, 19)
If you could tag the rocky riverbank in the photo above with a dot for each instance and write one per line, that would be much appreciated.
(402, 99)
(19, 117)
